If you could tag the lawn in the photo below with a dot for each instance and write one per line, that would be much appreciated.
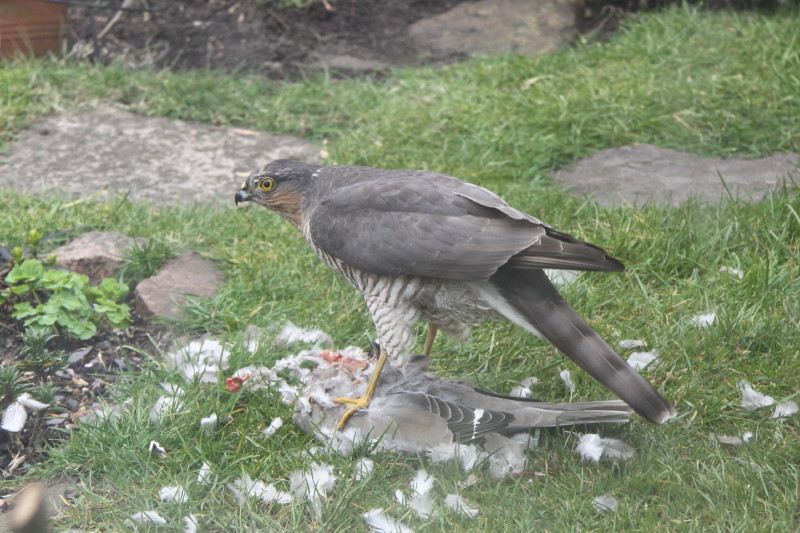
(723, 84)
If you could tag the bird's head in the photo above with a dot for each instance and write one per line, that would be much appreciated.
(279, 186)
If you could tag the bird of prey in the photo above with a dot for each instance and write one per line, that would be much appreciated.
(425, 246)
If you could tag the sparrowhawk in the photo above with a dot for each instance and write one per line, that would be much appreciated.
(424, 246)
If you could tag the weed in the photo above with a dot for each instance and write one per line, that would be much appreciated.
(52, 298)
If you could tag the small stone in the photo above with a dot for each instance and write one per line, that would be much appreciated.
(78, 355)
(188, 274)
(98, 254)
(497, 26)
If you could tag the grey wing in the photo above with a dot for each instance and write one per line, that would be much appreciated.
(466, 424)
(440, 228)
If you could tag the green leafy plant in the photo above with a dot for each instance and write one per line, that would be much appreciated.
(48, 297)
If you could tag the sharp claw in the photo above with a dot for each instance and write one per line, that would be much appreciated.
(345, 417)
(356, 403)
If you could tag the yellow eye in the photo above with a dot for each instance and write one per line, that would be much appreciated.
(266, 184)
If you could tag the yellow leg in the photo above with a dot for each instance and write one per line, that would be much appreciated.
(429, 339)
(360, 403)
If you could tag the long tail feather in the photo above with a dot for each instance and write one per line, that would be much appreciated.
(530, 300)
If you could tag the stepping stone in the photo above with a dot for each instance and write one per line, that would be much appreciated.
(98, 254)
(497, 27)
(178, 280)
(109, 150)
(642, 173)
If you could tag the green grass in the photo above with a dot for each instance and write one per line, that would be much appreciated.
(718, 84)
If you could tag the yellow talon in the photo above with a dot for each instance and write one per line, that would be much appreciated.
(361, 403)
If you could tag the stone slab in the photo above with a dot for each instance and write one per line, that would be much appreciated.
(497, 27)
(189, 275)
(97, 254)
(112, 151)
(643, 173)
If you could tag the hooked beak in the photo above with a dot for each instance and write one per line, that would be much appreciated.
(241, 196)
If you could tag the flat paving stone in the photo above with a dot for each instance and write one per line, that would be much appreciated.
(644, 173)
(108, 150)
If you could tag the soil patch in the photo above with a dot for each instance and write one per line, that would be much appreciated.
(92, 366)
(263, 35)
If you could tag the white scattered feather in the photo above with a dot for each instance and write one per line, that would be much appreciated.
(639, 360)
(560, 277)
(589, 447)
(565, 376)
(470, 456)
(237, 494)
(315, 485)
(526, 440)
(521, 392)
(16, 413)
(363, 468)
(421, 501)
(173, 494)
(422, 505)
(154, 446)
(293, 364)
(274, 426)
(731, 440)
(204, 474)
(530, 381)
(605, 504)
(732, 271)
(260, 490)
(145, 517)
(784, 409)
(422, 483)
(446, 451)
(592, 447)
(631, 344)
(291, 334)
(209, 423)
(752, 400)
(353, 351)
(14, 417)
(506, 457)
(165, 405)
(288, 392)
(457, 503)
(200, 359)
(704, 320)
(255, 377)
(190, 524)
(172, 389)
(380, 522)
(27, 401)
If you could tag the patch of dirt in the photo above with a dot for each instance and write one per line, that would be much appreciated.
(283, 41)
(92, 366)
(258, 35)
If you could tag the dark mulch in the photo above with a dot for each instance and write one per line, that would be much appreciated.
(93, 366)
(277, 39)
(259, 35)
